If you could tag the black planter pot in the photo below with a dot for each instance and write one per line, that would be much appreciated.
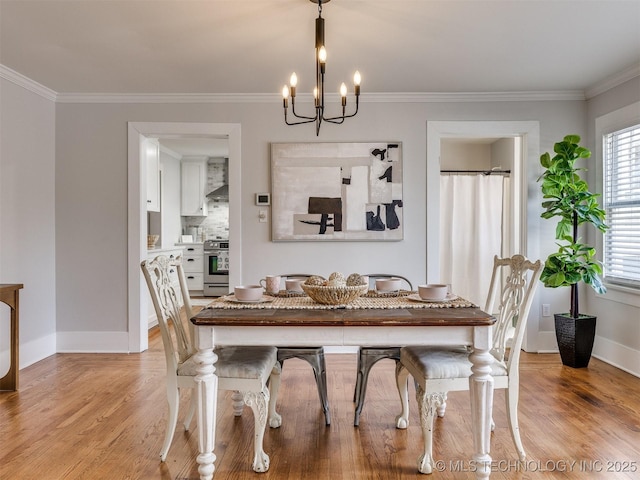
(575, 338)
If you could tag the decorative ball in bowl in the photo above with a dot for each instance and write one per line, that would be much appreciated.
(334, 295)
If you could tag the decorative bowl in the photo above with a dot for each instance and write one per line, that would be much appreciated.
(391, 284)
(334, 295)
(433, 291)
(248, 293)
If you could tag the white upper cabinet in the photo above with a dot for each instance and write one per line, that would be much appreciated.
(152, 152)
(193, 188)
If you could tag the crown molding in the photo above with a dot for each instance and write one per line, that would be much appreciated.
(167, 98)
(410, 97)
(396, 97)
(27, 83)
(461, 97)
(613, 81)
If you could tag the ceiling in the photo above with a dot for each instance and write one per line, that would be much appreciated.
(252, 46)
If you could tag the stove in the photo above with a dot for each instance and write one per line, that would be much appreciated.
(216, 268)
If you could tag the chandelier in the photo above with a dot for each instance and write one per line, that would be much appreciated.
(318, 91)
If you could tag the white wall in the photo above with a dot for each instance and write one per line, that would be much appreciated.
(91, 199)
(27, 215)
(92, 138)
(618, 311)
(465, 156)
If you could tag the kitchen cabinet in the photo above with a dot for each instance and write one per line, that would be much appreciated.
(193, 188)
(152, 153)
(193, 261)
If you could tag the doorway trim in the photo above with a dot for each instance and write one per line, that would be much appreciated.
(137, 207)
(529, 132)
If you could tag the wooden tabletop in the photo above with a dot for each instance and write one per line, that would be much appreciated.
(345, 317)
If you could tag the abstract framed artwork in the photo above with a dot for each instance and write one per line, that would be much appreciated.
(336, 191)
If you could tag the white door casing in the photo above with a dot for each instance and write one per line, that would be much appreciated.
(522, 176)
(137, 208)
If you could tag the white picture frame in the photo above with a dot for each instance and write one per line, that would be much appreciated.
(337, 191)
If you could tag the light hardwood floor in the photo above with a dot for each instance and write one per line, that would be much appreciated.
(102, 416)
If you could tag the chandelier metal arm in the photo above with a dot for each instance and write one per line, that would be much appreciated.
(309, 120)
(293, 110)
(343, 116)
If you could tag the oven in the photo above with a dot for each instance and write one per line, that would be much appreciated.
(216, 268)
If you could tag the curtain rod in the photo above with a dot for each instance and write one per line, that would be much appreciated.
(484, 172)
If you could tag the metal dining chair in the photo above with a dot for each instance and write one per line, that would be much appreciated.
(314, 356)
(369, 356)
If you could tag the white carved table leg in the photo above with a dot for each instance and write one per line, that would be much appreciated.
(481, 393)
(207, 392)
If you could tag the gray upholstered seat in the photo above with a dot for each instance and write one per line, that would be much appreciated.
(238, 362)
(437, 362)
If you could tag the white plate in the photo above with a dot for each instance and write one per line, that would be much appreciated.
(232, 298)
(416, 298)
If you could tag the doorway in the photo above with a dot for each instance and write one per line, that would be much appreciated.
(524, 218)
(479, 210)
(137, 218)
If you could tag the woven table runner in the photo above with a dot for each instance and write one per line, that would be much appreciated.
(363, 302)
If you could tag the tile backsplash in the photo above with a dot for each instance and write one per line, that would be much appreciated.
(216, 224)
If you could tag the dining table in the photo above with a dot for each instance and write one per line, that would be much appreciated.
(369, 320)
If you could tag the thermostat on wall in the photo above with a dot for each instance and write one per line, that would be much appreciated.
(263, 199)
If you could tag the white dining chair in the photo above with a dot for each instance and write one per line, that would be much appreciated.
(314, 356)
(438, 370)
(245, 370)
(369, 356)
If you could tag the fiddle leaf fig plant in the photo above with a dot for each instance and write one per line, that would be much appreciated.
(567, 196)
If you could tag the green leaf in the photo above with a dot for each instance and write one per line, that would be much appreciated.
(583, 152)
(545, 160)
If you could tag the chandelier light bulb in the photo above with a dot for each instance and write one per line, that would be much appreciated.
(322, 54)
(343, 90)
(293, 81)
(285, 92)
(356, 78)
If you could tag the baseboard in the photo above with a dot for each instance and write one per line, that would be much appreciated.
(35, 350)
(93, 342)
(618, 355)
(547, 342)
(613, 353)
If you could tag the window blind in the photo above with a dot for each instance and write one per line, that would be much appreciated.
(622, 205)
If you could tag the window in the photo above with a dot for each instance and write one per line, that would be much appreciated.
(621, 156)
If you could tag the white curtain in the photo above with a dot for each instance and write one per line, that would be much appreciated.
(472, 226)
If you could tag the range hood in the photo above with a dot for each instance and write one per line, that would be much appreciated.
(220, 192)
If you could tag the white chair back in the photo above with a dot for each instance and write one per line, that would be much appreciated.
(168, 298)
(515, 279)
